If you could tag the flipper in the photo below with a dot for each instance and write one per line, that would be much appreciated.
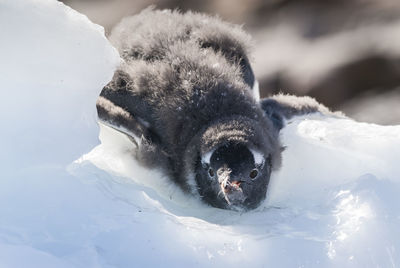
(118, 107)
(120, 120)
(280, 107)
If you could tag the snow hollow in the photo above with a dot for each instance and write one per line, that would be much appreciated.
(67, 200)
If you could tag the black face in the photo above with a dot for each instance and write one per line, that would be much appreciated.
(235, 178)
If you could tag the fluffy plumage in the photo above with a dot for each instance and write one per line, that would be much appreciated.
(184, 91)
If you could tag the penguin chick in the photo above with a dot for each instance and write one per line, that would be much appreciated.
(184, 94)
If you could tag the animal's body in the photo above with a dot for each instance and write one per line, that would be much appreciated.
(185, 92)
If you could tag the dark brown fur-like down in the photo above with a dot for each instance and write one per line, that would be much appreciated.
(185, 88)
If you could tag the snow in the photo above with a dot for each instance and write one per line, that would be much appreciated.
(67, 200)
(53, 61)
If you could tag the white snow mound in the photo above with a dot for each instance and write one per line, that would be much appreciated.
(334, 202)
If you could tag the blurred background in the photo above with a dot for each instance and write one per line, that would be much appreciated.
(345, 53)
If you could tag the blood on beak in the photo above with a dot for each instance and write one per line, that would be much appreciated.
(236, 183)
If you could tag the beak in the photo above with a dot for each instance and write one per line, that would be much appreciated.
(226, 184)
(231, 191)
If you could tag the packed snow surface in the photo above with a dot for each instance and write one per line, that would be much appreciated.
(65, 202)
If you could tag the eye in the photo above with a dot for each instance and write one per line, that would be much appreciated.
(253, 173)
(211, 172)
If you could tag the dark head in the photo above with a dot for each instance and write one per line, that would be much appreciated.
(233, 176)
